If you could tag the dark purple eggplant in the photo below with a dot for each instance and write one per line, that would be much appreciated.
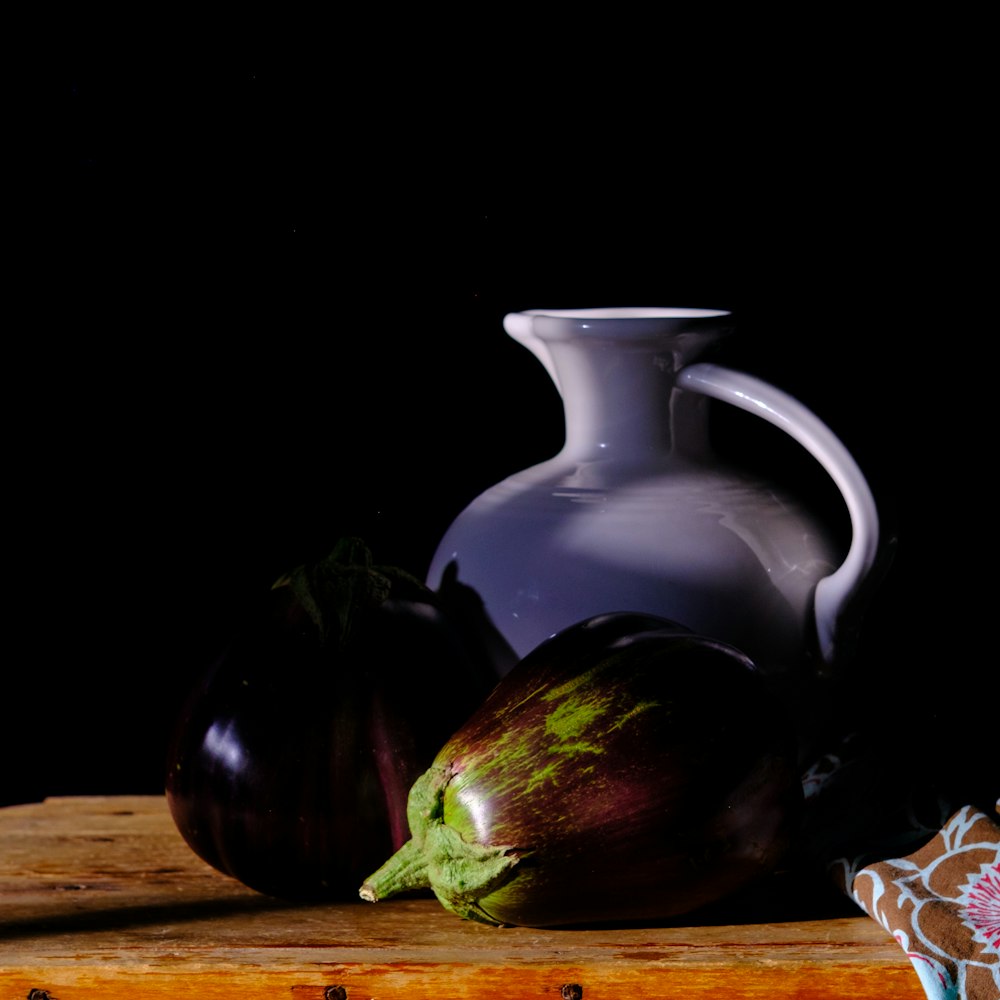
(290, 765)
(625, 770)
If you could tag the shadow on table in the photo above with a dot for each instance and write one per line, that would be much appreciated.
(121, 918)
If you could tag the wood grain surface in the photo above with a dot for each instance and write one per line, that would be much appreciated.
(100, 897)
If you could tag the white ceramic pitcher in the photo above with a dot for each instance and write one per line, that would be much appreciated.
(635, 513)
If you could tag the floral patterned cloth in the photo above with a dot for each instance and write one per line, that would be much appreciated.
(923, 865)
(942, 904)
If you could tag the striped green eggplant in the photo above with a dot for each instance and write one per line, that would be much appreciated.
(625, 770)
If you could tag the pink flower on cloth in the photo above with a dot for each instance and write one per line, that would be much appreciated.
(982, 907)
(942, 904)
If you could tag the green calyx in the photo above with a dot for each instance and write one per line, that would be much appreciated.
(338, 590)
(437, 857)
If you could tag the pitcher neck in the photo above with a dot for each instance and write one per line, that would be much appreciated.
(622, 403)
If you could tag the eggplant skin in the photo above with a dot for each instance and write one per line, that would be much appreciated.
(625, 770)
(290, 764)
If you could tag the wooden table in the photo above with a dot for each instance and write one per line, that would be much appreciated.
(100, 897)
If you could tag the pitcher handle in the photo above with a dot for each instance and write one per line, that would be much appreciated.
(834, 592)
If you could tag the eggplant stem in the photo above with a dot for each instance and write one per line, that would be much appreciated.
(405, 871)
(437, 857)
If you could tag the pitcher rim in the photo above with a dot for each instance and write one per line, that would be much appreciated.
(628, 312)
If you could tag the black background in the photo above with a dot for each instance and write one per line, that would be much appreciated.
(261, 307)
